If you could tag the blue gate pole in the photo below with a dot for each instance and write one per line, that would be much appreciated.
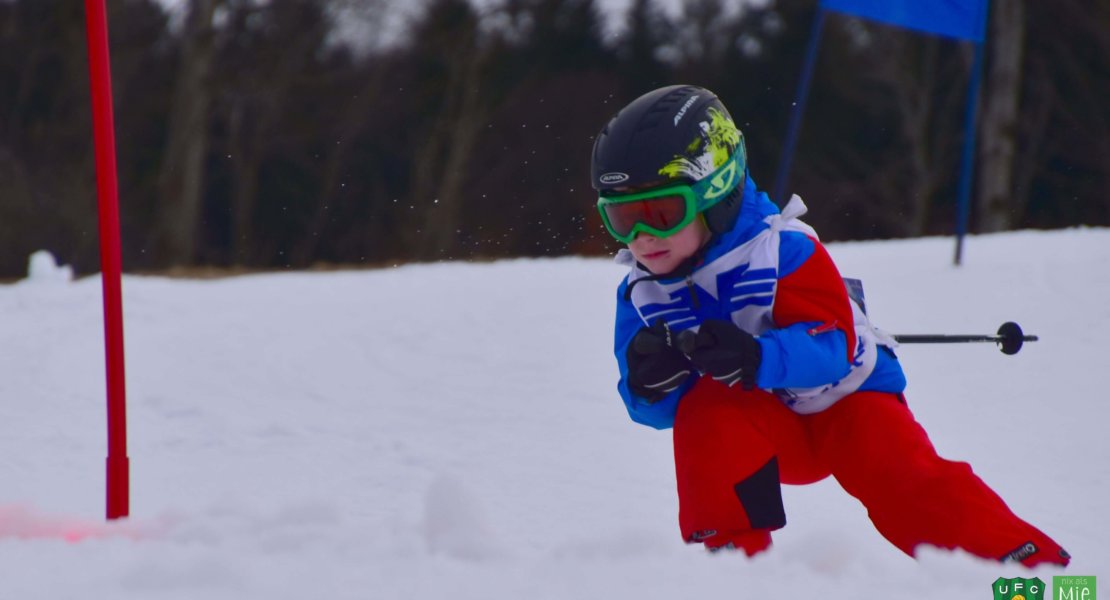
(799, 107)
(963, 205)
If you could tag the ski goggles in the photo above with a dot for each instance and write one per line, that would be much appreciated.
(664, 211)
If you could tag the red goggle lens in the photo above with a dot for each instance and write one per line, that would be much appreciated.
(663, 214)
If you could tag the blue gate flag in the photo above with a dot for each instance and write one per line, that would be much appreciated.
(961, 19)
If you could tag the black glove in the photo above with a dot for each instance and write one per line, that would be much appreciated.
(655, 367)
(724, 351)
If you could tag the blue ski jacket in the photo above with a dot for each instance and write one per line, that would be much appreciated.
(771, 276)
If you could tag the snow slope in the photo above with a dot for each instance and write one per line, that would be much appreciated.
(453, 431)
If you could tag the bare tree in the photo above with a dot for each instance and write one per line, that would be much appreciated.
(365, 21)
(457, 132)
(181, 181)
(998, 128)
(1062, 174)
(920, 85)
(911, 77)
(274, 49)
(450, 35)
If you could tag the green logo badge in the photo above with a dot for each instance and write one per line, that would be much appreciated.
(1072, 587)
(722, 182)
(1019, 588)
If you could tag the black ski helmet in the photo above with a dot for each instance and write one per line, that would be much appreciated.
(674, 134)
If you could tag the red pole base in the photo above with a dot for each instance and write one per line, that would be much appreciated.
(118, 491)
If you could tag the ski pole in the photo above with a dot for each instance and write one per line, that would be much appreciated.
(1009, 336)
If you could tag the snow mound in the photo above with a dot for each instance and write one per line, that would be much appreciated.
(42, 267)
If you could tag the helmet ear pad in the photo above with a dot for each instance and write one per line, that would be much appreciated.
(721, 217)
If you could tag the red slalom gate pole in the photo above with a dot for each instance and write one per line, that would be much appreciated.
(107, 187)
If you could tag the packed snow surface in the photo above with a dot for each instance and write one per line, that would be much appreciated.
(453, 431)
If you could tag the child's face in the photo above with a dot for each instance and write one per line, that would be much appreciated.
(663, 255)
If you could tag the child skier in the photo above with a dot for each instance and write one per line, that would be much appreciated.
(735, 329)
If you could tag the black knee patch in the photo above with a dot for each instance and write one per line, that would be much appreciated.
(761, 496)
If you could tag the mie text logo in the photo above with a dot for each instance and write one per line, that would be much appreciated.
(1071, 587)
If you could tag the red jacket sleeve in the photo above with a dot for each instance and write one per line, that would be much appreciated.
(815, 292)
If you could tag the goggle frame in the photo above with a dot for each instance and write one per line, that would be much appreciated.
(698, 197)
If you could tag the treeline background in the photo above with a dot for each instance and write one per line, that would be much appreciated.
(290, 133)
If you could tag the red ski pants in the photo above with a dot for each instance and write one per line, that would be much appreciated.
(733, 448)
